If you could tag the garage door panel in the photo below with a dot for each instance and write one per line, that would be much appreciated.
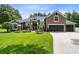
(56, 28)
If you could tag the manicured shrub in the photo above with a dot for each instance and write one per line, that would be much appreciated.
(27, 26)
(23, 31)
(18, 31)
(27, 30)
(39, 31)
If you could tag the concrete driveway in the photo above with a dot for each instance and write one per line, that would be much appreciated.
(66, 42)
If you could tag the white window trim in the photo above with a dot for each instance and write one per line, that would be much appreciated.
(54, 18)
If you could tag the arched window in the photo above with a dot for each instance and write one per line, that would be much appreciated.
(56, 18)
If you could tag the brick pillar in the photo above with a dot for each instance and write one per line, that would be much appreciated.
(21, 26)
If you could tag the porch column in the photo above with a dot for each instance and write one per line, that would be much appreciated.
(64, 28)
(31, 26)
(21, 26)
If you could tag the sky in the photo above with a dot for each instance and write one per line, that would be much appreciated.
(27, 9)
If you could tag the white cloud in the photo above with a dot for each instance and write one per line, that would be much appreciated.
(36, 7)
(31, 7)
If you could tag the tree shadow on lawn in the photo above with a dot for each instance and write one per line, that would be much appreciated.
(4, 32)
(21, 49)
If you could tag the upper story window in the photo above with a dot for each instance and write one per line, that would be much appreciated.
(56, 18)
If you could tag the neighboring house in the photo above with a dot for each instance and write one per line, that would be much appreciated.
(54, 22)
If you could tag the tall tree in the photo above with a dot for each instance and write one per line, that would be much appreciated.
(68, 15)
(38, 14)
(74, 16)
(8, 13)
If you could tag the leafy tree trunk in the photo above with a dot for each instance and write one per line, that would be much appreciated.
(8, 30)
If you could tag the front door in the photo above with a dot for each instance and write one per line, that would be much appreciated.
(34, 25)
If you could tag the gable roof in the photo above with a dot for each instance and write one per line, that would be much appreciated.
(67, 21)
(56, 12)
(70, 22)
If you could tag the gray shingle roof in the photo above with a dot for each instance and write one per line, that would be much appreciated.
(21, 20)
(70, 22)
(41, 18)
(26, 20)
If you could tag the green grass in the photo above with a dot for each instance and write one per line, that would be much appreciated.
(44, 39)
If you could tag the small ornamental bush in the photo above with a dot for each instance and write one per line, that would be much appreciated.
(27, 30)
(39, 31)
(17, 31)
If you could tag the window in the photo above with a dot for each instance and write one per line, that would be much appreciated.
(56, 18)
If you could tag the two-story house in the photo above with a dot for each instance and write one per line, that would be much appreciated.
(55, 22)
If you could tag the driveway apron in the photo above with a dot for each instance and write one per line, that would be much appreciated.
(66, 42)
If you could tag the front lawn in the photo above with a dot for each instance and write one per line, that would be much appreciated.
(44, 39)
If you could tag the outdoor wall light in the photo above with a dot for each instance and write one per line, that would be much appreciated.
(37, 23)
(31, 23)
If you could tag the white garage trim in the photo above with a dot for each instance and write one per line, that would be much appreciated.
(56, 24)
